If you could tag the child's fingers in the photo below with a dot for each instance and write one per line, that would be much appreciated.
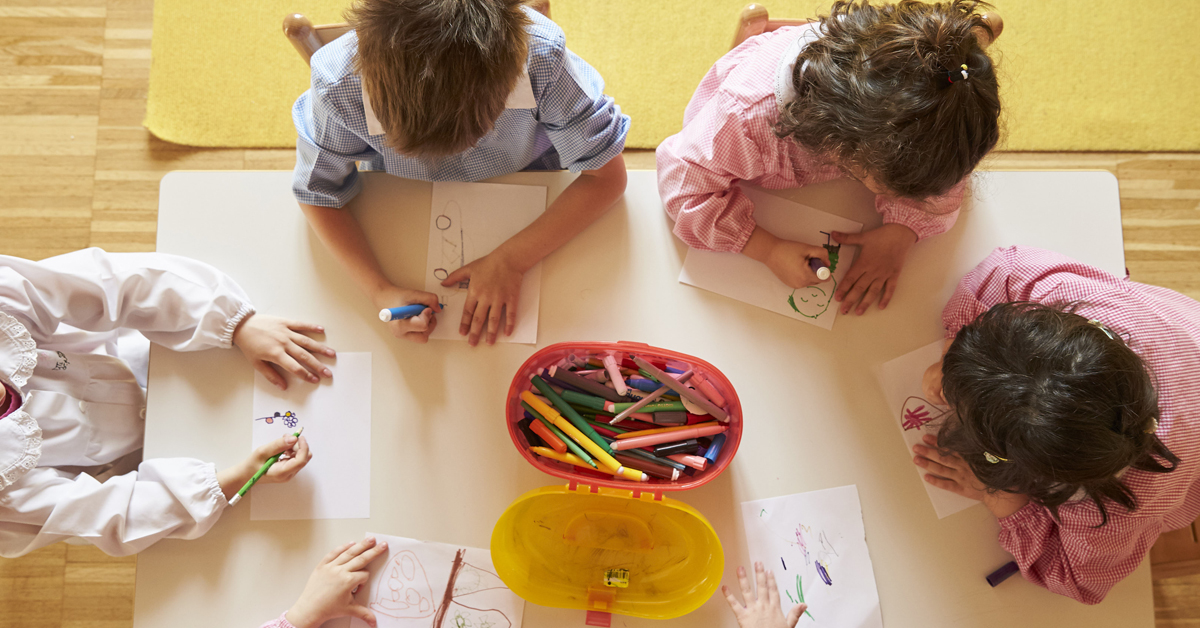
(478, 323)
(493, 322)
(772, 591)
(462, 274)
(930, 453)
(933, 467)
(930, 440)
(870, 296)
(361, 612)
(285, 470)
(302, 327)
(271, 374)
(313, 367)
(744, 583)
(289, 364)
(846, 238)
(851, 279)
(277, 446)
(793, 615)
(366, 557)
(510, 314)
(760, 581)
(337, 551)
(312, 345)
(888, 290)
(943, 483)
(356, 549)
(469, 309)
(734, 604)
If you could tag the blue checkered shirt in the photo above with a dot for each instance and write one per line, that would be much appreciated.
(574, 125)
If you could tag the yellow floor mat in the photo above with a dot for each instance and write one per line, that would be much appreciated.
(1095, 75)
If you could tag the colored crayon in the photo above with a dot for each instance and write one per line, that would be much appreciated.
(614, 374)
(696, 462)
(553, 441)
(647, 406)
(1003, 573)
(670, 449)
(704, 387)
(714, 449)
(645, 455)
(649, 468)
(568, 458)
(585, 384)
(570, 443)
(683, 390)
(565, 409)
(673, 436)
(530, 437)
(642, 405)
(669, 418)
(666, 430)
(597, 450)
(581, 399)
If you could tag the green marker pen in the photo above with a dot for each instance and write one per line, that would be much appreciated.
(266, 466)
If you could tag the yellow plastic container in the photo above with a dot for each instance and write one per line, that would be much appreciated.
(606, 549)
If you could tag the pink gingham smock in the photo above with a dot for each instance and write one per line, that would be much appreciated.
(1071, 556)
(727, 138)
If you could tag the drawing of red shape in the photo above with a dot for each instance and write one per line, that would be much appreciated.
(404, 592)
(918, 412)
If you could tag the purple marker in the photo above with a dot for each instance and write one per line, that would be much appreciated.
(1003, 573)
(819, 267)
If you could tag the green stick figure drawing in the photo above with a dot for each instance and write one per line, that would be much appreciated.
(814, 299)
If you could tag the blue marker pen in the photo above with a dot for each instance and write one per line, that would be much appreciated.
(714, 449)
(400, 313)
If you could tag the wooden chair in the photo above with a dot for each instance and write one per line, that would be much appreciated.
(754, 20)
(308, 39)
(1176, 553)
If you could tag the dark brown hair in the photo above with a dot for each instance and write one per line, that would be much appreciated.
(876, 94)
(1067, 407)
(438, 72)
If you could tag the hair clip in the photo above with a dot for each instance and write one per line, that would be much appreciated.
(951, 74)
(1153, 426)
(1102, 327)
(993, 458)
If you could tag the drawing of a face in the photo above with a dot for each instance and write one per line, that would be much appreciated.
(812, 301)
(404, 590)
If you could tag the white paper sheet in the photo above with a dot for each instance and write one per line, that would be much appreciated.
(410, 588)
(736, 276)
(466, 222)
(816, 545)
(336, 417)
(901, 382)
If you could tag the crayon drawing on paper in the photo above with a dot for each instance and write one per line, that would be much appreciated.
(736, 276)
(816, 546)
(432, 585)
(468, 221)
(916, 416)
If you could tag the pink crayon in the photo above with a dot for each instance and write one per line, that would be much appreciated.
(708, 390)
(673, 436)
(696, 462)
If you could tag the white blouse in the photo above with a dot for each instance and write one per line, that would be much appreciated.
(70, 455)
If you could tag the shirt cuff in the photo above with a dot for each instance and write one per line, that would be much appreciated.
(231, 326)
(1027, 514)
(280, 622)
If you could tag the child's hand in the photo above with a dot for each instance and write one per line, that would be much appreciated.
(329, 593)
(761, 610)
(417, 328)
(873, 276)
(494, 291)
(950, 472)
(270, 340)
(931, 384)
(789, 261)
(295, 452)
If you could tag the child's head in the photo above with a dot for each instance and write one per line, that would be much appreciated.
(1054, 401)
(881, 92)
(438, 72)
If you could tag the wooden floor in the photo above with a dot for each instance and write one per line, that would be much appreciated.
(77, 169)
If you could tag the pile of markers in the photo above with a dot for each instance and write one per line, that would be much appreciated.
(633, 418)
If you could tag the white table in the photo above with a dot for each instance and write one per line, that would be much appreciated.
(443, 467)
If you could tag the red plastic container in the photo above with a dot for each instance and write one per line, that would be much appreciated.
(554, 355)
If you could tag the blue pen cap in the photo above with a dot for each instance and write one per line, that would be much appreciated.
(714, 449)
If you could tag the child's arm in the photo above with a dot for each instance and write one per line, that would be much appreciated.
(180, 303)
(761, 608)
(496, 277)
(341, 233)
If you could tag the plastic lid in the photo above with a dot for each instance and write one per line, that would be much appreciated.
(609, 550)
